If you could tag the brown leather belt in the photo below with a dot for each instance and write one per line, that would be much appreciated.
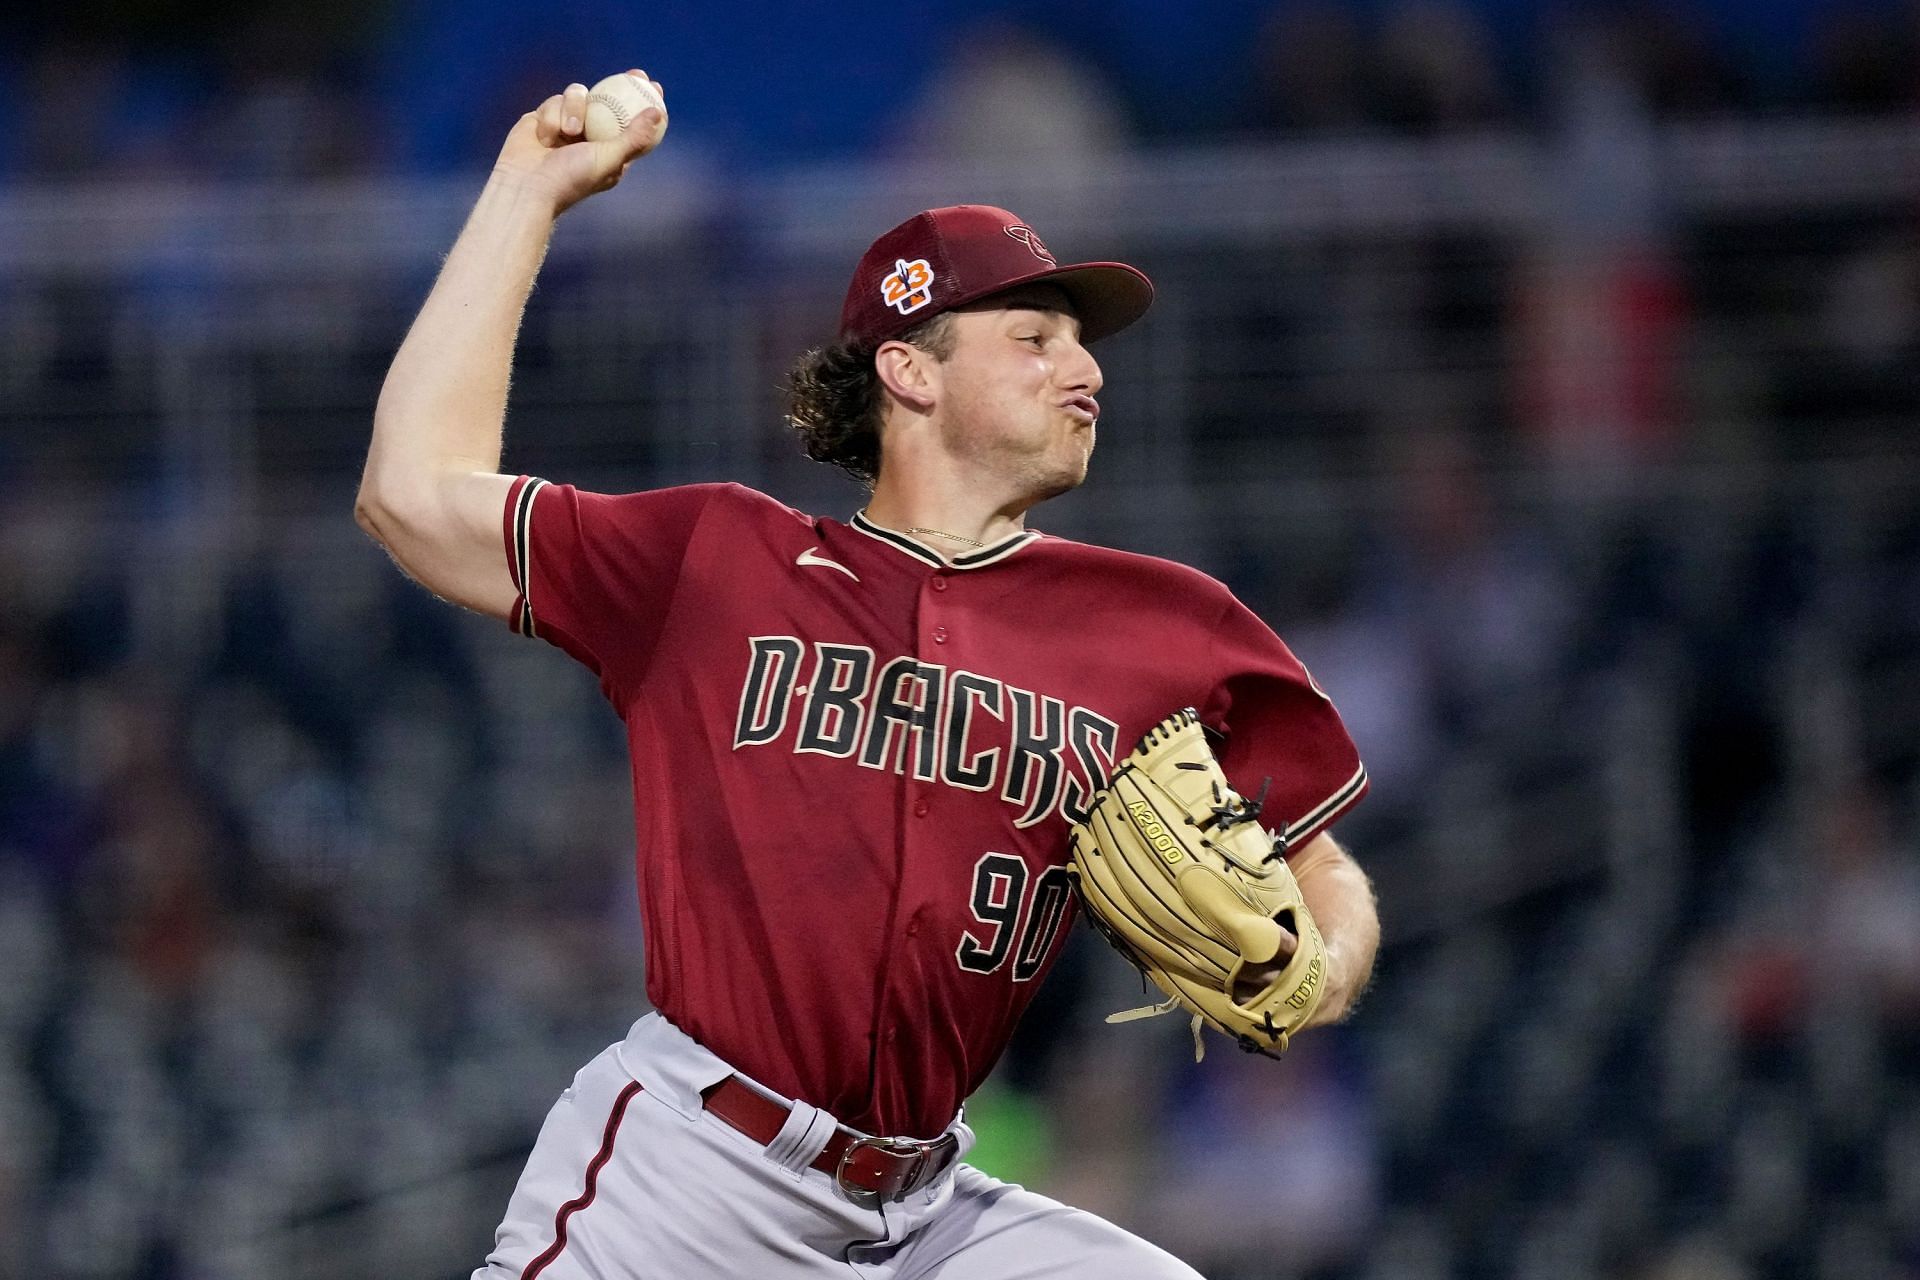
(869, 1170)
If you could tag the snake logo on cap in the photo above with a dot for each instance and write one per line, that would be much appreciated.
(1026, 236)
(909, 287)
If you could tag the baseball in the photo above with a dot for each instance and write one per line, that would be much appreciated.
(614, 102)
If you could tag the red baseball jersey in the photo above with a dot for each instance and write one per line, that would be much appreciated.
(857, 763)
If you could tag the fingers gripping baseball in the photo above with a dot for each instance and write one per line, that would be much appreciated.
(582, 141)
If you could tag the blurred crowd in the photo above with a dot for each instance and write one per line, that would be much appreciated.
(289, 926)
(270, 89)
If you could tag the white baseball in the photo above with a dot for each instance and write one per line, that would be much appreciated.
(614, 102)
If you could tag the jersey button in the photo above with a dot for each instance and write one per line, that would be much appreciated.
(939, 635)
(939, 583)
(919, 808)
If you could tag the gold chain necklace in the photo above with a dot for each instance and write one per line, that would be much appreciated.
(942, 533)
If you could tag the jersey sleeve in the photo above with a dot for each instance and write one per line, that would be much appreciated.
(1281, 726)
(595, 572)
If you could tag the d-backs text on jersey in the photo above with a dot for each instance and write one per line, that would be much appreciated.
(951, 726)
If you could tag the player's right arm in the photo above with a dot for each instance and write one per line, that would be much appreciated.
(431, 493)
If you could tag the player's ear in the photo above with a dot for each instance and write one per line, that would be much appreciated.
(910, 373)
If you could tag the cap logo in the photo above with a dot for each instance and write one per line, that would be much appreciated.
(909, 287)
(1025, 235)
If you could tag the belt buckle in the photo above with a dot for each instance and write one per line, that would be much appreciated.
(920, 1151)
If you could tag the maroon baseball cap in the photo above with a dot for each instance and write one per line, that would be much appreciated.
(944, 258)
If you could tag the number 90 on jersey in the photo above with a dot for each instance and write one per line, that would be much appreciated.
(1007, 911)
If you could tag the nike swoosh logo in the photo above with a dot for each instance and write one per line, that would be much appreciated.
(808, 558)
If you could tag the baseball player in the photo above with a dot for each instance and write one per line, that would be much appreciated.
(858, 747)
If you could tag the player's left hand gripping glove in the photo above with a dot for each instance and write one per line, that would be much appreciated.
(1177, 872)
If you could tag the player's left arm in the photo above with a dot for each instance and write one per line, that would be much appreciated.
(1284, 734)
(1341, 898)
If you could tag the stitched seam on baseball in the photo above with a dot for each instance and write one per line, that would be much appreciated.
(621, 115)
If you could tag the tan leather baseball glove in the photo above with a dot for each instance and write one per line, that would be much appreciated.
(1177, 872)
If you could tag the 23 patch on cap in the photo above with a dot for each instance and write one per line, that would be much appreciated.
(909, 287)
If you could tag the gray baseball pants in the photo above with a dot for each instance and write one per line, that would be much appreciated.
(631, 1179)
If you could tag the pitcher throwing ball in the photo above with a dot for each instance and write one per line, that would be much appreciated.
(859, 747)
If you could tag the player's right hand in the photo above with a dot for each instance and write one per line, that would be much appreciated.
(548, 147)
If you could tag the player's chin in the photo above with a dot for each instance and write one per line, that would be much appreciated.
(1062, 468)
(1064, 479)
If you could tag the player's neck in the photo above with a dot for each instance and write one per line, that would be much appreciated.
(952, 523)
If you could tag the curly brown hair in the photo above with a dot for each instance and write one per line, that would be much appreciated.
(835, 398)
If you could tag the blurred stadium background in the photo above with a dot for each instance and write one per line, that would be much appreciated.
(1549, 379)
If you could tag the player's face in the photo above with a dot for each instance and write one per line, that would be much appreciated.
(1017, 393)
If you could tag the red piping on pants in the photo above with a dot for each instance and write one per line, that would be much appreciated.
(586, 1195)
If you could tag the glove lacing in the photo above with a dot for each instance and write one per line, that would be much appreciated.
(1168, 1005)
